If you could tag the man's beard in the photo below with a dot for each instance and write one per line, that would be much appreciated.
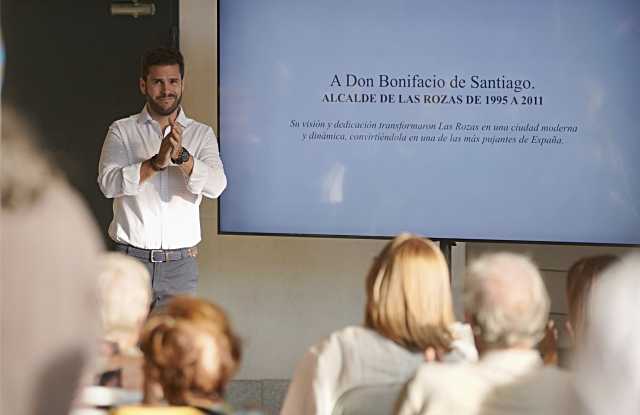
(158, 109)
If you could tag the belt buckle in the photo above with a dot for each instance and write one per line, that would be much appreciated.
(159, 252)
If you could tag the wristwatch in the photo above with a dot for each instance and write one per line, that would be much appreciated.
(182, 157)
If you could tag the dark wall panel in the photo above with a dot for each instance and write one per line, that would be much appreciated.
(72, 68)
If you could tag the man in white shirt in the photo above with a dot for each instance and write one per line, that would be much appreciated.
(507, 306)
(157, 165)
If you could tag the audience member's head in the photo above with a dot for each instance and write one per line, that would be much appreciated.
(48, 302)
(23, 187)
(190, 350)
(194, 309)
(125, 290)
(506, 301)
(409, 296)
(608, 361)
(580, 279)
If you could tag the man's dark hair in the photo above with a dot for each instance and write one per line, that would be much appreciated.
(162, 56)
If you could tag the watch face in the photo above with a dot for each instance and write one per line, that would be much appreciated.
(184, 155)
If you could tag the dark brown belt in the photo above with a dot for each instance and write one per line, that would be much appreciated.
(160, 255)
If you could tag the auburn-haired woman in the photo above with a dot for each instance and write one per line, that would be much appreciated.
(581, 277)
(408, 312)
(191, 352)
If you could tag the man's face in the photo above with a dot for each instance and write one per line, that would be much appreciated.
(163, 89)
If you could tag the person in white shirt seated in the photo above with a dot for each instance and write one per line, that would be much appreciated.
(507, 305)
(125, 297)
(551, 390)
(408, 310)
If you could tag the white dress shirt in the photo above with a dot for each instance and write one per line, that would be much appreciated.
(440, 389)
(163, 211)
(357, 356)
(548, 391)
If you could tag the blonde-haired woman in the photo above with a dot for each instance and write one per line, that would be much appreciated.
(408, 312)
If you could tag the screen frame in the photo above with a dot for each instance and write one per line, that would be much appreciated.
(364, 237)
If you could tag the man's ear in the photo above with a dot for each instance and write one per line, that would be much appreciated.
(142, 84)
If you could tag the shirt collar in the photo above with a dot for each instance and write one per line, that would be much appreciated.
(145, 117)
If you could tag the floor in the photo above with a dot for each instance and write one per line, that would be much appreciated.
(266, 394)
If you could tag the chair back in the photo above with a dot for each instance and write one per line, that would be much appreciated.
(155, 410)
(369, 400)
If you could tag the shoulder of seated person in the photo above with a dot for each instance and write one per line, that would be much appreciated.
(461, 330)
(434, 375)
(349, 337)
(357, 335)
(346, 334)
(351, 332)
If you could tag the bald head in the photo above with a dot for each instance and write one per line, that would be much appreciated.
(507, 300)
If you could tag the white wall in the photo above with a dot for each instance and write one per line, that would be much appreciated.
(284, 294)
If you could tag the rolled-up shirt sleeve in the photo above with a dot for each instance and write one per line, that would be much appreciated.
(116, 175)
(207, 176)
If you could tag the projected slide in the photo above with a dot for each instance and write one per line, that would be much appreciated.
(466, 120)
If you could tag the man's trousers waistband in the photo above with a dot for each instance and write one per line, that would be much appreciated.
(159, 255)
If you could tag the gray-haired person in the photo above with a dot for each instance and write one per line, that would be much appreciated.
(507, 305)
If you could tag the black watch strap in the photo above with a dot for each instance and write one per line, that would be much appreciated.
(182, 157)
